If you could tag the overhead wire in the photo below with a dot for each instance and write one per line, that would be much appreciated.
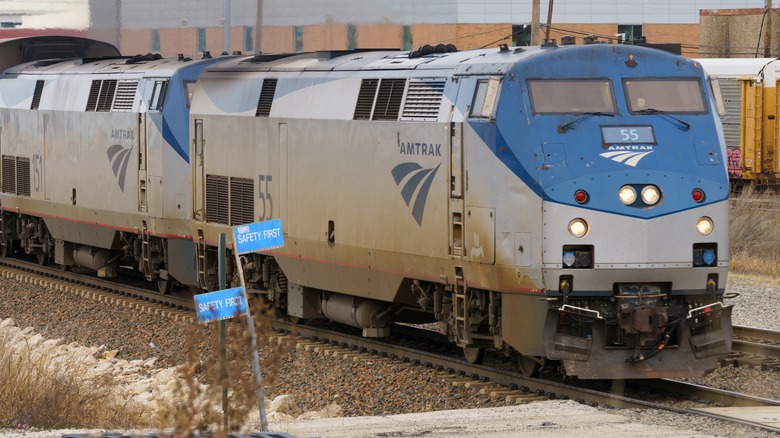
(760, 31)
(686, 48)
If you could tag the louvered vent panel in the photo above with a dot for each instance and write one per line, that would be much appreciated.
(388, 99)
(217, 199)
(36, 100)
(242, 201)
(266, 98)
(94, 92)
(23, 176)
(423, 99)
(9, 174)
(125, 95)
(106, 97)
(731, 90)
(365, 100)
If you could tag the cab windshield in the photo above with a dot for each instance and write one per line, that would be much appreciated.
(571, 96)
(677, 95)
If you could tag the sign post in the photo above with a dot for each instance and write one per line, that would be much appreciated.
(223, 334)
(256, 237)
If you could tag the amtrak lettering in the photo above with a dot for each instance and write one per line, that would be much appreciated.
(425, 149)
(629, 155)
(632, 148)
(122, 134)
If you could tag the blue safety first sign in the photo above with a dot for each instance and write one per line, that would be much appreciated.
(258, 236)
(222, 304)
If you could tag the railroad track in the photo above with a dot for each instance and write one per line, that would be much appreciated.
(756, 348)
(491, 380)
(176, 306)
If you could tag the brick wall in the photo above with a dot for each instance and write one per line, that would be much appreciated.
(334, 36)
(736, 33)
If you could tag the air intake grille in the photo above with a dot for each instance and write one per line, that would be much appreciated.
(217, 205)
(94, 92)
(36, 100)
(101, 95)
(230, 201)
(125, 95)
(16, 175)
(388, 100)
(9, 174)
(423, 100)
(106, 97)
(23, 176)
(242, 197)
(266, 98)
(365, 101)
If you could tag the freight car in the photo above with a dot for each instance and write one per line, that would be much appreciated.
(95, 163)
(554, 203)
(750, 94)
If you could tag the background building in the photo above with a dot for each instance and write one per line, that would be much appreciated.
(189, 26)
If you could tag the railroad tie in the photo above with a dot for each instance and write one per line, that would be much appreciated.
(524, 399)
(307, 346)
(326, 350)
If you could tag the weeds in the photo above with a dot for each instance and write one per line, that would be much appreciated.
(38, 388)
(43, 389)
(754, 233)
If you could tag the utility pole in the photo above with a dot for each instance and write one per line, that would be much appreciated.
(259, 27)
(226, 23)
(549, 22)
(118, 24)
(768, 31)
(535, 11)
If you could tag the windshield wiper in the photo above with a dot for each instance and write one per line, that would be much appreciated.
(564, 126)
(684, 126)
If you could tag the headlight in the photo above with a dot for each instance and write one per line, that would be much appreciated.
(578, 228)
(627, 195)
(650, 195)
(704, 226)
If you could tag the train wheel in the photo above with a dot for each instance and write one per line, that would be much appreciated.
(164, 286)
(474, 355)
(530, 365)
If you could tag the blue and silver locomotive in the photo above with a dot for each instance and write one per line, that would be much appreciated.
(559, 204)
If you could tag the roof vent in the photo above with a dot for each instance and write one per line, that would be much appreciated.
(428, 49)
(590, 39)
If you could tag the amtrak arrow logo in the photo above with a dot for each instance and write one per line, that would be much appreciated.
(422, 178)
(119, 157)
(629, 157)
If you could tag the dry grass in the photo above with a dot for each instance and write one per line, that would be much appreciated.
(38, 389)
(754, 234)
(200, 408)
(42, 391)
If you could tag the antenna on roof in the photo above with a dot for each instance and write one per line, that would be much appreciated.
(547, 41)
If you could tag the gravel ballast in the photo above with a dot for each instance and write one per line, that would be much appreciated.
(379, 387)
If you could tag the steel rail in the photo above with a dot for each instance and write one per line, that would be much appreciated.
(98, 283)
(756, 341)
(551, 389)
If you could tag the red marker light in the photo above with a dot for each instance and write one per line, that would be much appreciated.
(697, 195)
(581, 196)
